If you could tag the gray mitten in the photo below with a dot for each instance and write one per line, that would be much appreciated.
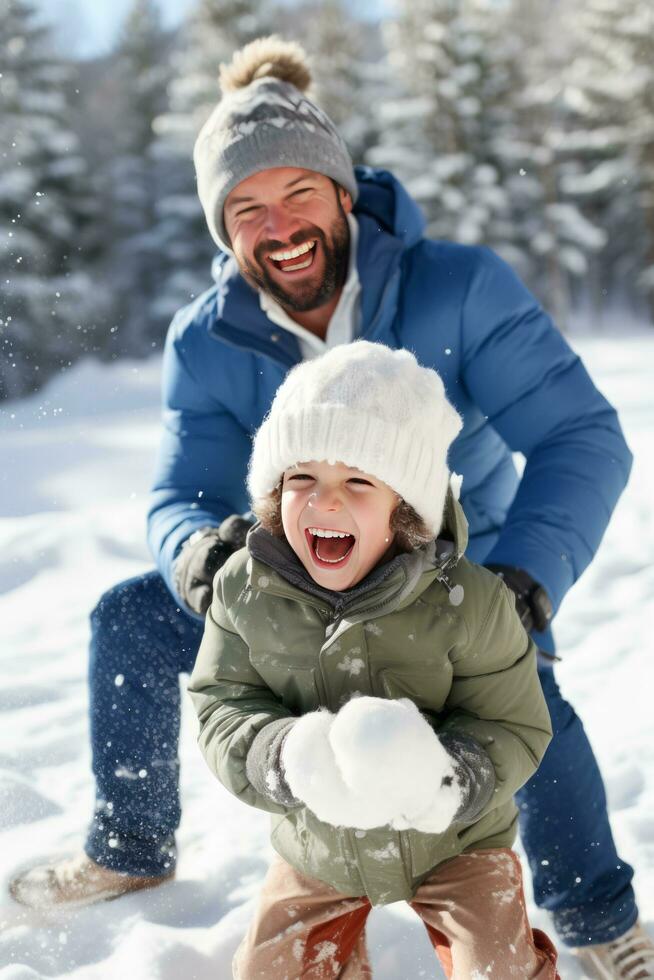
(264, 767)
(202, 555)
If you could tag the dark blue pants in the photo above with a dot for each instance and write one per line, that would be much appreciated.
(141, 642)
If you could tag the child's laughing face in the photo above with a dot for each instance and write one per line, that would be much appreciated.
(319, 498)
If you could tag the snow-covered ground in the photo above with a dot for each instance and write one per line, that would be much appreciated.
(76, 463)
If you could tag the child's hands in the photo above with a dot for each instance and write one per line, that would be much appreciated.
(375, 763)
(315, 778)
(390, 753)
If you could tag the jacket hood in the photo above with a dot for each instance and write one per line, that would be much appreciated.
(455, 524)
(383, 198)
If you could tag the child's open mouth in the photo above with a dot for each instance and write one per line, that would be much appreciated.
(294, 259)
(329, 549)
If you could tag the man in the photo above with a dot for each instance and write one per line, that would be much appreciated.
(313, 255)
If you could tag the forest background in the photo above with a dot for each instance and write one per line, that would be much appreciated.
(525, 125)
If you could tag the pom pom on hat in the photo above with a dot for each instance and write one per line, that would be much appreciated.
(369, 407)
(267, 57)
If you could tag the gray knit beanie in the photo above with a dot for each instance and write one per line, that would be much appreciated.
(263, 121)
(369, 407)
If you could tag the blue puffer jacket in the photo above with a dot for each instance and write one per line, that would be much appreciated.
(512, 377)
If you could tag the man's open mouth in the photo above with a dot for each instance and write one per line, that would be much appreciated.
(294, 259)
(329, 548)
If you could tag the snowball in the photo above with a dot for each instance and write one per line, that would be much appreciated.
(376, 763)
(390, 753)
(314, 776)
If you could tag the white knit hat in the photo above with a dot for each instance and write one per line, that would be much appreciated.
(371, 408)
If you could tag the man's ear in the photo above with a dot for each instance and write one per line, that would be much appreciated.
(345, 199)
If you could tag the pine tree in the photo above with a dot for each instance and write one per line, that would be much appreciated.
(344, 53)
(469, 135)
(214, 30)
(130, 179)
(561, 242)
(610, 90)
(445, 130)
(47, 299)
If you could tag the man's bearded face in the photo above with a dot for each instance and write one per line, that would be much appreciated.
(289, 233)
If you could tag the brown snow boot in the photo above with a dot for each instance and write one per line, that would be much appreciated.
(74, 882)
(630, 957)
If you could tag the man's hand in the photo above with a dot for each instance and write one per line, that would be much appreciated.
(396, 761)
(202, 555)
(532, 602)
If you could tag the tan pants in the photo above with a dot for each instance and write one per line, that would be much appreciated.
(473, 908)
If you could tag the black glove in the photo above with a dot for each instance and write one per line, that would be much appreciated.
(202, 555)
(532, 602)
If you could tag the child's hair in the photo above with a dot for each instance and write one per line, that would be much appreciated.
(406, 524)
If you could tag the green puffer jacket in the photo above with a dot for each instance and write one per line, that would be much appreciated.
(272, 650)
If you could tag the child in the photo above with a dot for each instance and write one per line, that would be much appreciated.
(368, 685)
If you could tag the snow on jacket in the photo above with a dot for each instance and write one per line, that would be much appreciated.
(272, 651)
(507, 370)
